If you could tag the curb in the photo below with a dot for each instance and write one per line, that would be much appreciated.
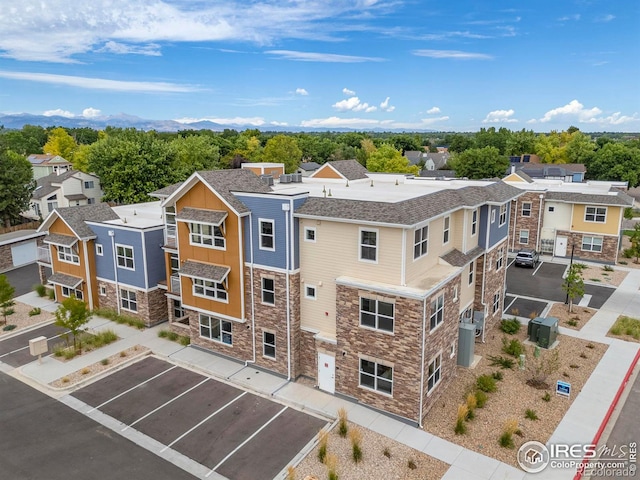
(607, 416)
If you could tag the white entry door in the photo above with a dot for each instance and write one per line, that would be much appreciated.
(327, 372)
(561, 247)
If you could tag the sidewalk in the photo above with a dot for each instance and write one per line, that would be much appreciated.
(579, 424)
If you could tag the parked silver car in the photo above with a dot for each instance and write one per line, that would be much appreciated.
(527, 258)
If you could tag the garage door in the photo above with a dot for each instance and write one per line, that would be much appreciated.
(23, 253)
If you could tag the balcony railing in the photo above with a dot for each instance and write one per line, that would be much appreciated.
(170, 235)
(44, 255)
(175, 284)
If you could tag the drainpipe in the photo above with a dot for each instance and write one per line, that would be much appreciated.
(253, 302)
(539, 220)
(424, 334)
(286, 207)
(112, 234)
(515, 221)
(88, 273)
(484, 272)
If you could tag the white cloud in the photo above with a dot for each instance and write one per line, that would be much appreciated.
(500, 116)
(254, 121)
(605, 18)
(353, 104)
(279, 124)
(433, 110)
(301, 91)
(99, 83)
(454, 54)
(122, 49)
(91, 112)
(618, 119)
(574, 110)
(58, 113)
(575, 17)
(348, 92)
(364, 123)
(386, 107)
(321, 57)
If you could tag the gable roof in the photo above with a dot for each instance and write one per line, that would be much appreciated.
(456, 258)
(309, 166)
(76, 218)
(44, 185)
(43, 159)
(224, 182)
(347, 169)
(439, 159)
(615, 198)
(166, 191)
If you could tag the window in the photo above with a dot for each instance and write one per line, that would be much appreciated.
(170, 215)
(437, 312)
(88, 184)
(499, 258)
(474, 222)
(68, 254)
(91, 201)
(526, 209)
(435, 368)
(503, 215)
(369, 245)
(524, 237)
(592, 244)
(99, 250)
(551, 209)
(493, 215)
(421, 242)
(67, 292)
(209, 289)
(267, 235)
(377, 314)
(52, 202)
(128, 300)
(496, 302)
(446, 230)
(207, 235)
(174, 264)
(216, 329)
(309, 234)
(178, 311)
(376, 376)
(310, 291)
(102, 290)
(472, 268)
(269, 344)
(124, 256)
(268, 291)
(595, 214)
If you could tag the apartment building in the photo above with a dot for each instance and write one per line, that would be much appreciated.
(354, 279)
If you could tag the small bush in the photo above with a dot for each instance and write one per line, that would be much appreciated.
(51, 293)
(626, 326)
(331, 461)
(502, 362)
(511, 326)
(486, 383)
(323, 440)
(627, 253)
(113, 315)
(291, 472)
(40, 289)
(607, 268)
(472, 403)
(595, 279)
(622, 262)
(343, 427)
(163, 333)
(69, 353)
(386, 452)
(85, 371)
(411, 464)
(590, 346)
(481, 398)
(512, 347)
(66, 379)
(580, 266)
(460, 427)
(533, 315)
(546, 397)
(572, 322)
(123, 354)
(582, 355)
(9, 311)
(8, 328)
(104, 361)
(497, 375)
(531, 414)
(573, 365)
(184, 340)
(35, 311)
(173, 336)
(506, 439)
(355, 435)
(58, 350)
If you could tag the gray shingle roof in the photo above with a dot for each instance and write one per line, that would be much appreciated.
(75, 217)
(44, 185)
(408, 212)
(215, 273)
(59, 239)
(456, 258)
(349, 169)
(166, 191)
(309, 166)
(214, 217)
(238, 180)
(65, 280)
(619, 199)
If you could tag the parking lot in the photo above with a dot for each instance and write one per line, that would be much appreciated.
(14, 351)
(230, 431)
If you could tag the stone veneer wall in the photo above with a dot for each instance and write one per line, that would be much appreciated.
(494, 282)
(176, 326)
(6, 258)
(241, 338)
(152, 305)
(609, 252)
(525, 223)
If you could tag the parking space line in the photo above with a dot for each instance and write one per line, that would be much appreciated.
(506, 309)
(131, 389)
(209, 417)
(24, 348)
(246, 441)
(166, 403)
(512, 262)
(537, 268)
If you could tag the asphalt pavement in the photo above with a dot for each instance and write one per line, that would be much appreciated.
(24, 278)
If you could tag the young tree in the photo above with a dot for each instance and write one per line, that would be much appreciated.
(388, 159)
(635, 242)
(60, 143)
(478, 163)
(6, 296)
(16, 186)
(573, 284)
(73, 314)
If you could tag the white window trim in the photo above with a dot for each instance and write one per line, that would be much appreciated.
(500, 259)
(495, 304)
(306, 292)
(595, 214)
(128, 299)
(262, 290)
(133, 257)
(446, 230)
(102, 290)
(64, 252)
(375, 376)
(530, 209)
(376, 247)
(70, 291)
(435, 370)
(493, 215)
(520, 236)
(474, 223)
(377, 315)
(273, 234)
(592, 237)
(99, 250)
(435, 313)
(212, 236)
(471, 274)
(214, 289)
(265, 344)
(423, 241)
(310, 229)
(503, 215)
(210, 327)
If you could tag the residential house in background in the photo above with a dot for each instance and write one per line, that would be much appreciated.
(567, 172)
(307, 168)
(110, 257)
(62, 190)
(563, 218)
(47, 164)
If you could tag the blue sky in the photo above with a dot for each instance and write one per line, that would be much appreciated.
(415, 64)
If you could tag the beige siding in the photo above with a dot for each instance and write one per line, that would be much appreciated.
(471, 241)
(334, 253)
(467, 291)
(457, 230)
(559, 219)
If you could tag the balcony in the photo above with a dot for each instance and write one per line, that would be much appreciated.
(170, 236)
(175, 284)
(44, 255)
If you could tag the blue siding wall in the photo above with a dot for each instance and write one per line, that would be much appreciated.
(154, 239)
(268, 207)
(497, 233)
(104, 263)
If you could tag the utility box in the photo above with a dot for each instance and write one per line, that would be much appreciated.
(38, 346)
(543, 331)
(466, 344)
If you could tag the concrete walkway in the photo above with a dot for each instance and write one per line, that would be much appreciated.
(579, 424)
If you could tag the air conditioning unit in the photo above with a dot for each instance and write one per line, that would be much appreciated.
(286, 178)
(268, 179)
(296, 177)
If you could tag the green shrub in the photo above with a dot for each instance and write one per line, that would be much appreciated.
(511, 326)
(355, 435)
(343, 426)
(114, 316)
(51, 293)
(184, 340)
(9, 311)
(104, 361)
(506, 439)
(502, 362)
(531, 414)
(512, 347)
(497, 375)
(481, 398)
(69, 353)
(35, 311)
(627, 253)
(572, 322)
(163, 333)
(8, 328)
(173, 336)
(626, 326)
(40, 289)
(546, 397)
(486, 383)
(323, 439)
(411, 464)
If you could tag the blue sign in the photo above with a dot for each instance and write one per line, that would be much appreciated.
(563, 388)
